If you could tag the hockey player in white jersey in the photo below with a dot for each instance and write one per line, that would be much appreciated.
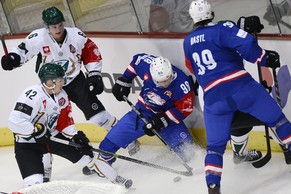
(42, 111)
(69, 48)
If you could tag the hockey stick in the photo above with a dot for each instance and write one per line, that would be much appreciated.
(4, 45)
(264, 160)
(70, 143)
(157, 134)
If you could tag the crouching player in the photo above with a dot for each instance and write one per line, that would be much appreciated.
(42, 111)
(166, 98)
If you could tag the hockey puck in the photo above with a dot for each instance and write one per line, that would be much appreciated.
(177, 179)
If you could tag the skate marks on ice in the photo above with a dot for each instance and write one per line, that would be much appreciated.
(273, 178)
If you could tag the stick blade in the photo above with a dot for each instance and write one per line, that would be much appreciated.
(262, 162)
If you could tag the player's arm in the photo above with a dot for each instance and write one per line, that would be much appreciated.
(25, 120)
(253, 25)
(22, 53)
(65, 125)
(92, 60)
(183, 106)
(123, 84)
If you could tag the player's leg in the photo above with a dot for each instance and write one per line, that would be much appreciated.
(29, 160)
(217, 117)
(128, 129)
(271, 114)
(239, 144)
(90, 105)
(180, 140)
(99, 165)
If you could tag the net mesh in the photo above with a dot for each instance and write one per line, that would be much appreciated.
(74, 187)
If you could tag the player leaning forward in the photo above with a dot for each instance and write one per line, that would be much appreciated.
(165, 100)
(215, 53)
(69, 48)
(42, 111)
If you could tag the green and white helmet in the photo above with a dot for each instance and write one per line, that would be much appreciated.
(50, 71)
(52, 16)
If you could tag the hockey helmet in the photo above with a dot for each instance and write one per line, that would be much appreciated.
(161, 71)
(52, 16)
(50, 71)
(200, 10)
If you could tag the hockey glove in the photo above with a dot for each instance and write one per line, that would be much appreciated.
(95, 82)
(273, 59)
(10, 62)
(157, 123)
(251, 24)
(121, 88)
(41, 134)
(86, 149)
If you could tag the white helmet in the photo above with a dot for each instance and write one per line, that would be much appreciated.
(200, 10)
(161, 70)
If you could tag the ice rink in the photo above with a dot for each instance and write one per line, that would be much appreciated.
(274, 178)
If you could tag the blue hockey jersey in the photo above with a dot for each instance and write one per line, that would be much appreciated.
(215, 53)
(176, 101)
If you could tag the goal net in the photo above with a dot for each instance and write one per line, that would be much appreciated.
(74, 187)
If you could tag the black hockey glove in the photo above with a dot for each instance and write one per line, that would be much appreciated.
(95, 82)
(41, 134)
(251, 24)
(86, 149)
(121, 88)
(10, 62)
(273, 59)
(157, 123)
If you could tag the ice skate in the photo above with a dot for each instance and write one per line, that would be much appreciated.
(87, 171)
(127, 183)
(251, 156)
(287, 154)
(133, 147)
(213, 189)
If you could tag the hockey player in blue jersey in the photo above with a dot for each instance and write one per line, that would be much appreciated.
(166, 98)
(214, 54)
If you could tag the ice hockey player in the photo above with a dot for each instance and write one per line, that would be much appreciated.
(69, 48)
(214, 54)
(44, 110)
(166, 98)
(243, 123)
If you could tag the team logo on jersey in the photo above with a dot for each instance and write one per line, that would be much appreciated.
(46, 50)
(72, 48)
(146, 77)
(94, 106)
(52, 119)
(97, 53)
(168, 93)
(62, 101)
(154, 99)
(60, 53)
(183, 135)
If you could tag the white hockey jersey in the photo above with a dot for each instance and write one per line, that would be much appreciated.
(75, 49)
(35, 105)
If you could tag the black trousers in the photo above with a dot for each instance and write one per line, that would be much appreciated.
(29, 155)
(78, 92)
(242, 123)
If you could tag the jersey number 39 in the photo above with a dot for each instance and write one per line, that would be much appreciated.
(204, 61)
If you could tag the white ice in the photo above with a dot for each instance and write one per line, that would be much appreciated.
(273, 178)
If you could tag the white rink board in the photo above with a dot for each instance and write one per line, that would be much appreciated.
(117, 54)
